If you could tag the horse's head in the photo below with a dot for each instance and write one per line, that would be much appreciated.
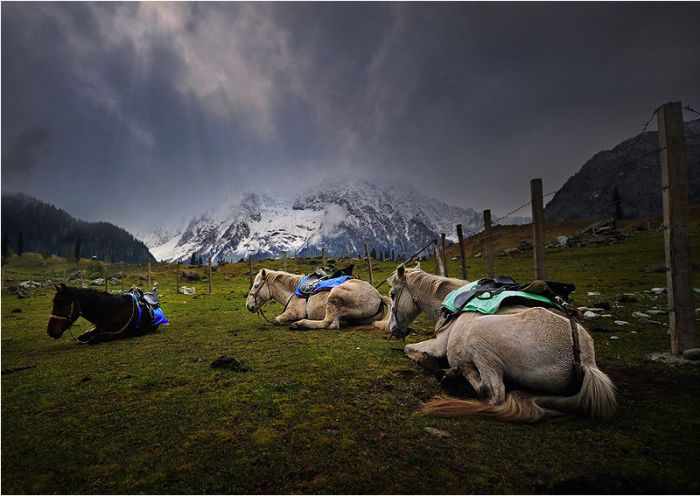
(260, 293)
(65, 311)
(404, 307)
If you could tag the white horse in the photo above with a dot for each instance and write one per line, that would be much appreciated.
(354, 302)
(531, 347)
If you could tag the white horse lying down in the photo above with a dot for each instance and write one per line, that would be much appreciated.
(531, 347)
(354, 302)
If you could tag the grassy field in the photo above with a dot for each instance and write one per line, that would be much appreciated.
(327, 411)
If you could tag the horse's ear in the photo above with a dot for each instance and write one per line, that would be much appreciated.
(263, 273)
(401, 272)
(417, 267)
(64, 287)
(58, 288)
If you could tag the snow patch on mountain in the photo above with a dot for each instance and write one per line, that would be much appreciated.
(338, 216)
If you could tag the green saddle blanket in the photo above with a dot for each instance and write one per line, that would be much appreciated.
(489, 303)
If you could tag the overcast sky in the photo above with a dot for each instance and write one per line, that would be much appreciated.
(107, 107)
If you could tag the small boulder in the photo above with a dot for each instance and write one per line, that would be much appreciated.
(621, 323)
(98, 282)
(588, 315)
(186, 290)
(692, 354)
(437, 432)
(593, 293)
(639, 315)
(614, 338)
(658, 290)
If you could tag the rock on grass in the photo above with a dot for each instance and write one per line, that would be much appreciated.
(228, 362)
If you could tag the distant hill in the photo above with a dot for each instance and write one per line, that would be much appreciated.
(46, 228)
(589, 193)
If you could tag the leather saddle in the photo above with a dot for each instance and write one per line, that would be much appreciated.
(488, 288)
(312, 281)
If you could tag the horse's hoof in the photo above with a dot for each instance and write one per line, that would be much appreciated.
(294, 325)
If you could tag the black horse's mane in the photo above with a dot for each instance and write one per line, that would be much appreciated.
(98, 299)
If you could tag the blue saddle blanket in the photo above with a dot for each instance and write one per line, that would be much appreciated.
(158, 315)
(323, 285)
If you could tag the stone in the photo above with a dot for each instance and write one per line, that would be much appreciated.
(596, 309)
(583, 309)
(656, 312)
(614, 338)
(658, 290)
(593, 293)
(648, 321)
(670, 359)
(606, 315)
(29, 284)
(588, 315)
(186, 290)
(98, 282)
(621, 323)
(692, 354)
(639, 315)
(437, 432)
(561, 240)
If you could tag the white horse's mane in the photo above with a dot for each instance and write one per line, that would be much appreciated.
(425, 285)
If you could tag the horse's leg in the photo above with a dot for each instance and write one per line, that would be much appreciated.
(429, 353)
(486, 381)
(87, 335)
(330, 321)
(291, 314)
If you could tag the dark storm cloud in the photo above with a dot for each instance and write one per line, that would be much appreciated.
(23, 153)
(180, 104)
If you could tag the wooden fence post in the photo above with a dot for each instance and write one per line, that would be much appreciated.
(106, 278)
(443, 239)
(323, 258)
(438, 259)
(177, 277)
(149, 277)
(369, 261)
(460, 238)
(250, 270)
(538, 228)
(209, 275)
(674, 192)
(284, 261)
(488, 244)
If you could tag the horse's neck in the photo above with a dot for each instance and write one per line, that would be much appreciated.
(283, 285)
(89, 310)
(430, 301)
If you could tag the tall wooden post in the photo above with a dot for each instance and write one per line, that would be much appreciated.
(149, 276)
(82, 279)
(250, 271)
(674, 192)
(463, 260)
(177, 277)
(369, 261)
(284, 261)
(438, 259)
(488, 244)
(209, 275)
(538, 228)
(443, 239)
(106, 279)
(323, 257)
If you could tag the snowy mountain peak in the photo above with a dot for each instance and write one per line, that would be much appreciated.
(338, 215)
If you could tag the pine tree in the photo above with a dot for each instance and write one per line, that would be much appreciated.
(5, 247)
(193, 259)
(76, 252)
(20, 244)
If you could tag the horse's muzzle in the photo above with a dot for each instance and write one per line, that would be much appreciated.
(55, 330)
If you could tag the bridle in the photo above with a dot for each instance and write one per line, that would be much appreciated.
(74, 304)
(397, 332)
(255, 293)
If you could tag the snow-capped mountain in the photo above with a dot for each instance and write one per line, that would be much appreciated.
(337, 216)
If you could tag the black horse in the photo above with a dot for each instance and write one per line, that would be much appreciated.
(114, 316)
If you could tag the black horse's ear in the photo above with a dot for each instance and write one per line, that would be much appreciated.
(263, 273)
(64, 287)
(401, 271)
(58, 288)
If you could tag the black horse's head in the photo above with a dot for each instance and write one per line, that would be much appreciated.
(65, 311)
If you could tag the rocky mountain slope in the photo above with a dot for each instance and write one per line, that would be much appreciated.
(635, 173)
(336, 216)
(45, 228)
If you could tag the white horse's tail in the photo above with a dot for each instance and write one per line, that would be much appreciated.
(596, 399)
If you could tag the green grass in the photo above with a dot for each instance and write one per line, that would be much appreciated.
(325, 411)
